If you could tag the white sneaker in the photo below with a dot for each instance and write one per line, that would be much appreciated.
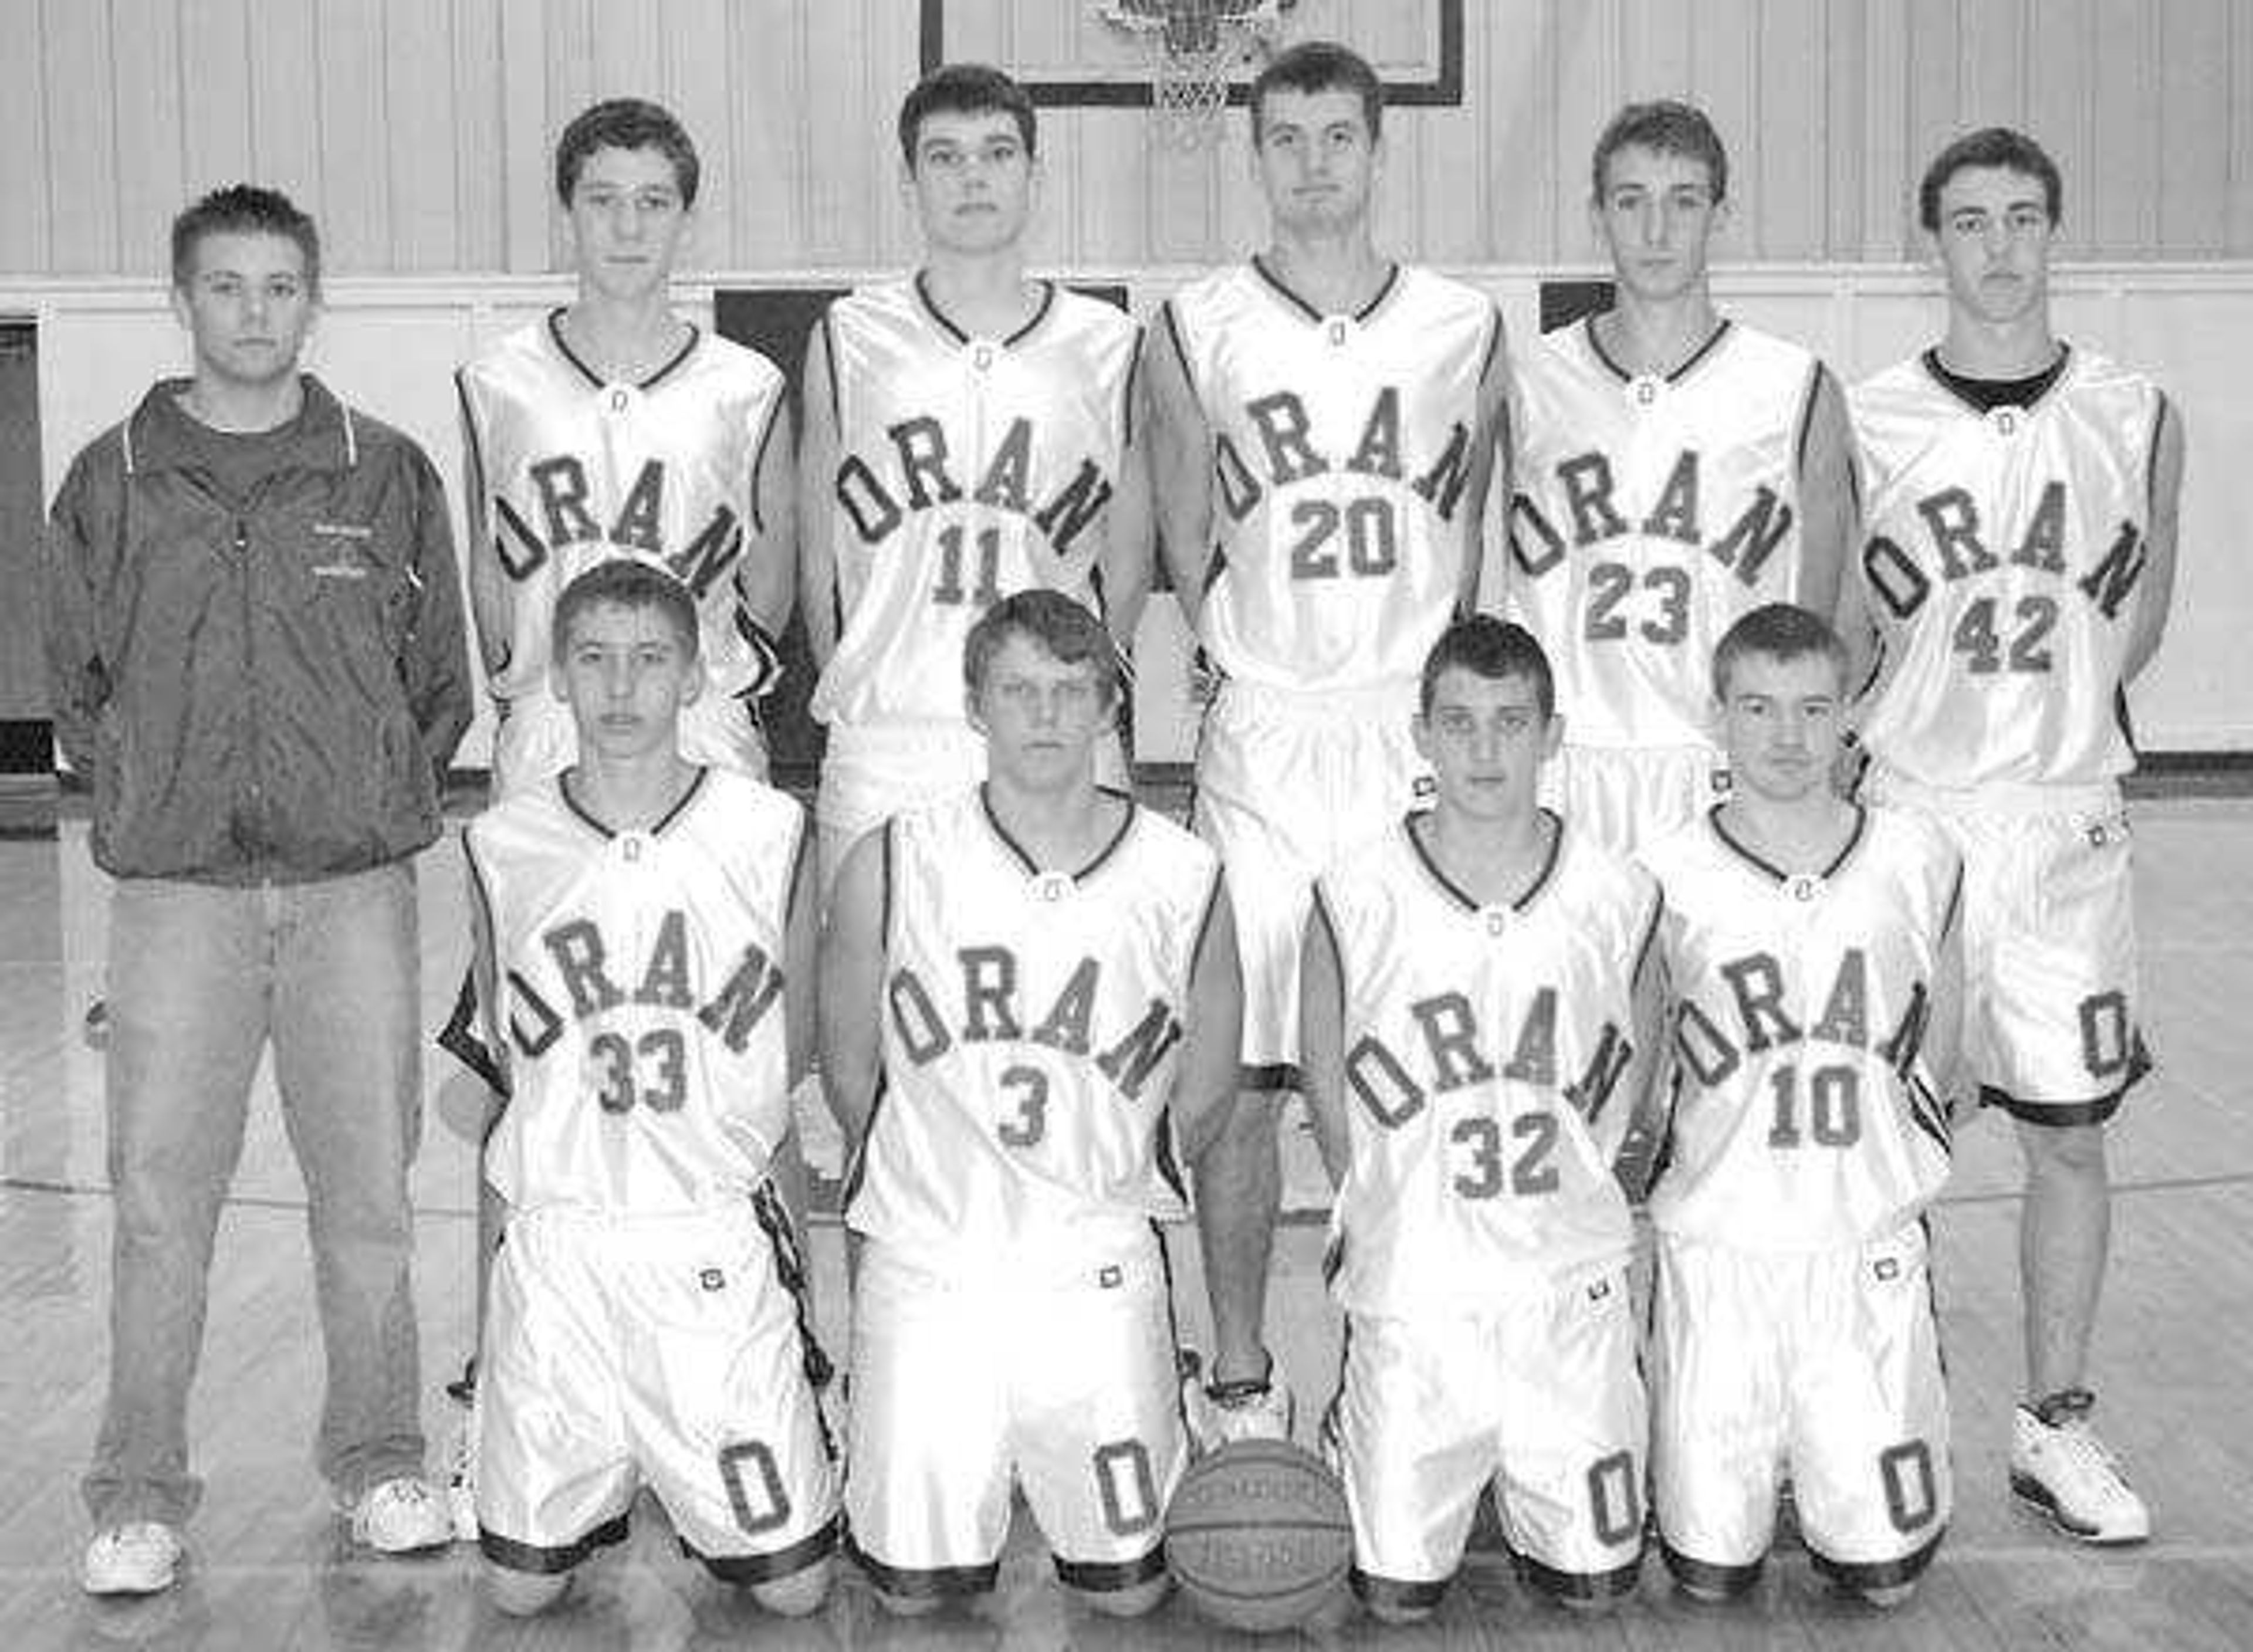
(142, 1556)
(2061, 1467)
(401, 1516)
(462, 1478)
(1221, 1413)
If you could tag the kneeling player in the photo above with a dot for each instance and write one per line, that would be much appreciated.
(646, 936)
(1024, 987)
(1476, 1024)
(1812, 949)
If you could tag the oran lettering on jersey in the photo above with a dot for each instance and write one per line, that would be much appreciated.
(594, 977)
(1596, 514)
(989, 1002)
(1453, 1050)
(918, 473)
(566, 518)
(1753, 1019)
(1960, 545)
(1286, 453)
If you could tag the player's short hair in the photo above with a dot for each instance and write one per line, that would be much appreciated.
(1782, 631)
(1318, 65)
(1989, 146)
(966, 88)
(1493, 648)
(243, 209)
(626, 123)
(1065, 629)
(1669, 126)
(622, 582)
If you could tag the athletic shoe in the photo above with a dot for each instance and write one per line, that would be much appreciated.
(1247, 1408)
(141, 1557)
(2061, 1467)
(461, 1477)
(401, 1516)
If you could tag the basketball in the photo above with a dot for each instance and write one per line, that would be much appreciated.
(1257, 1535)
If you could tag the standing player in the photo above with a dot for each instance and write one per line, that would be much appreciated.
(1025, 989)
(1811, 948)
(2021, 501)
(617, 426)
(1477, 1024)
(645, 944)
(969, 432)
(1324, 430)
(1673, 469)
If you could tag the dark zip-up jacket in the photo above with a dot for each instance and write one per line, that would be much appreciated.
(265, 689)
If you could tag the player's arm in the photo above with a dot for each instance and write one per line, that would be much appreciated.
(851, 972)
(1322, 1040)
(1181, 461)
(1204, 1085)
(1490, 465)
(817, 465)
(1127, 561)
(2158, 593)
(488, 581)
(1828, 518)
(766, 573)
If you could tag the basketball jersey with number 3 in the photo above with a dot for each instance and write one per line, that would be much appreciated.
(1803, 1114)
(1342, 454)
(2001, 561)
(639, 983)
(1649, 513)
(966, 469)
(1032, 1022)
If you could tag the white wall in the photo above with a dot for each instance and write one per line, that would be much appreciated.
(390, 345)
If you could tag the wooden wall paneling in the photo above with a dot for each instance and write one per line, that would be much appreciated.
(1039, 32)
(479, 156)
(845, 190)
(1724, 77)
(1789, 178)
(527, 79)
(890, 47)
(2194, 92)
(422, 124)
(1515, 73)
(74, 57)
(1459, 170)
(768, 114)
(285, 112)
(2239, 205)
(2060, 71)
(1845, 113)
(1585, 92)
(702, 88)
(625, 41)
(1655, 50)
(1935, 103)
(26, 241)
(145, 49)
(1887, 215)
(1112, 183)
(1990, 48)
(355, 209)
(2124, 166)
(213, 83)
(569, 43)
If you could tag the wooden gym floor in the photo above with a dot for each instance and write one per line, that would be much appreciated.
(269, 1567)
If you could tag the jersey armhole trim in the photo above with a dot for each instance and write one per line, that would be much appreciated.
(473, 438)
(829, 365)
(1172, 318)
(2159, 417)
(759, 460)
(1810, 400)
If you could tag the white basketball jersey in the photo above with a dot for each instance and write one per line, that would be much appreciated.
(576, 472)
(1648, 514)
(1031, 1025)
(2001, 560)
(1484, 1048)
(966, 469)
(639, 987)
(1804, 1113)
(1341, 453)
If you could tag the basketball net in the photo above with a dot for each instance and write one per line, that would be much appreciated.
(1193, 46)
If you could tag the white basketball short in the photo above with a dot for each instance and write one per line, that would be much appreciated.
(873, 770)
(664, 1351)
(537, 740)
(2050, 1025)
(1630, 797)
(961, 1385)
(1543, 1398)
(1285, 782)
(1824, 1364)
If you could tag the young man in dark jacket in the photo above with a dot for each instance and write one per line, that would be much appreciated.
(256, 653)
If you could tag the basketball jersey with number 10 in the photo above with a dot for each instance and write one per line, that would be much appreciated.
(1341, 454)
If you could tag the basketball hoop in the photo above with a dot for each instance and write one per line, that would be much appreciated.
(1193, 46)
